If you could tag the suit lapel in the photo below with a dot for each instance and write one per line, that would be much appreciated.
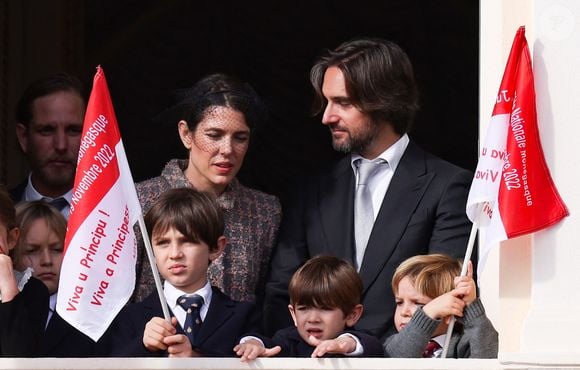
(220, 310)
(56, 331)
(17, 193)
(336, 204)
(405, 191)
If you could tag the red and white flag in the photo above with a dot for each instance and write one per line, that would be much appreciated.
(512, 191)
(98, 270)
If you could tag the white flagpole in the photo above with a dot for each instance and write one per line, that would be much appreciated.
(154, 269)
(466, 259)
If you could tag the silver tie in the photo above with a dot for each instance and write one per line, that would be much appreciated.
(364, 217)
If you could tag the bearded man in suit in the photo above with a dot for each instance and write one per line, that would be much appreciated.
(410, 202)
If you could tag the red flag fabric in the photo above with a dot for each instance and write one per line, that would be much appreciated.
(98, 269)
(512, 191)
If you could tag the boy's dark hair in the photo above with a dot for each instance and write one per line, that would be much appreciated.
(326, 281)
(43, 87)
(194, 214)
(378, 78)
(432, 274)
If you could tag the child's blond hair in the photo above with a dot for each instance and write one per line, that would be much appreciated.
(27, 213)
(432, 275)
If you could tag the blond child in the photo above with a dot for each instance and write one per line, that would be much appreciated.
(23, 299)
(40, 250)
(428, 292)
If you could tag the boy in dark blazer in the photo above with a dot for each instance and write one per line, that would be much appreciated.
(29, 327)
(325, 296)
(186, 229)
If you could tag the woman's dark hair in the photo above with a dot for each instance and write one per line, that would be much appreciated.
(221, 90)
(378, 77)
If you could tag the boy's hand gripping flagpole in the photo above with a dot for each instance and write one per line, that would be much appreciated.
(98, 268)
(468, 252)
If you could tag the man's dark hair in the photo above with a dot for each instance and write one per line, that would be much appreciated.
(378, 77)
(44, 87)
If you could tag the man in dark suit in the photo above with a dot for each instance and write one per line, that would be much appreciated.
(49, 124)
(385, 201)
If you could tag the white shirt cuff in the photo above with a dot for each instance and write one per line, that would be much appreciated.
(248, 337)
(358, 350)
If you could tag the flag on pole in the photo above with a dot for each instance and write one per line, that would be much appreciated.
(98, 269)
(512, 193)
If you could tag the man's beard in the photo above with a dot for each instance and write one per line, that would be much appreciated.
(357, 142)
(54, 178)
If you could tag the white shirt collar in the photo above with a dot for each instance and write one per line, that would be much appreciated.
(392, 155)
(30, 193)
(51, 308)
(52, 302)
(440, 339)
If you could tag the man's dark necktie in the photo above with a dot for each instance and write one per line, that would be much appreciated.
(192, 306)
(58, 203)
(432, 350)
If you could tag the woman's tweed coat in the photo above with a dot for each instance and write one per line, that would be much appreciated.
(251, 218)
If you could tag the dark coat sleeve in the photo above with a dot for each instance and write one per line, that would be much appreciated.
(22, 321)
(290, 253)
(124, 338)
(451, 225)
